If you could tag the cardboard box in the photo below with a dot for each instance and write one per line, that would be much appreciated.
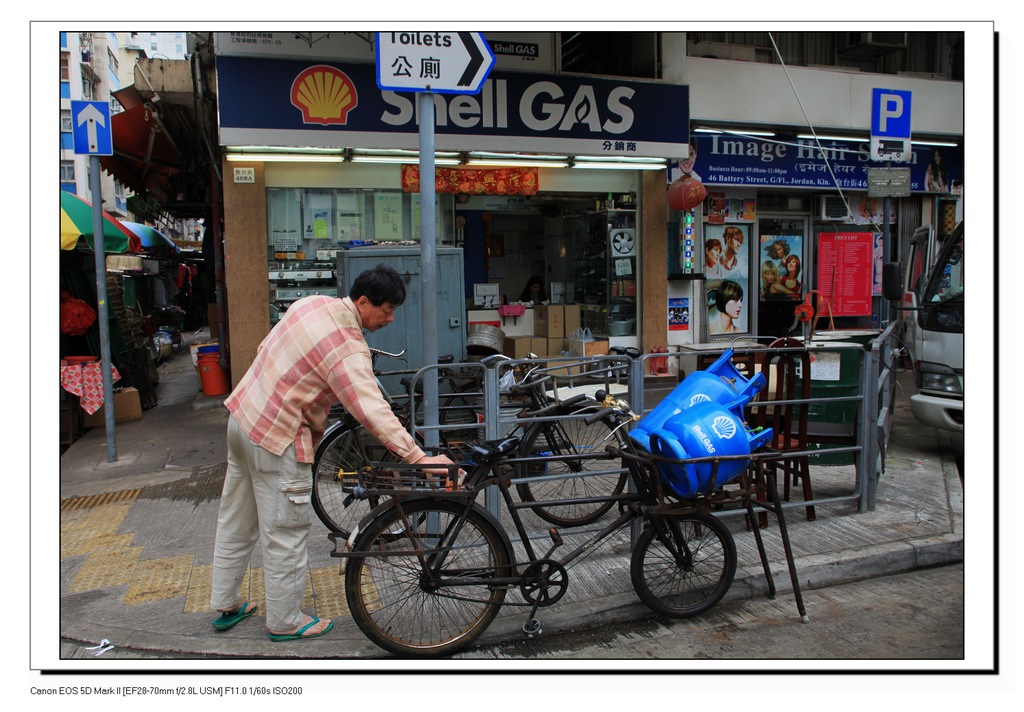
(572, 318)
(127, 406)
(581, 348)
(554, 347)
(517, 346)
(549, 321)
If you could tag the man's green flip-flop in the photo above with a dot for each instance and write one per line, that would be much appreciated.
(298, 635)
(229, 620)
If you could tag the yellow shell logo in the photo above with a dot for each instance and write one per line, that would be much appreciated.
(324, 95)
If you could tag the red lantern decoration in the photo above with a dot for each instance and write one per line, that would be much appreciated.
(685, 193)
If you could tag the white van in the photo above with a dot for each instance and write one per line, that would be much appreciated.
(932, 327)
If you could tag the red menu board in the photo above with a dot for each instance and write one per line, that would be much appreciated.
(845, 266)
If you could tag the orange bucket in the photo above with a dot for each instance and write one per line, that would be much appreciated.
(212, 376)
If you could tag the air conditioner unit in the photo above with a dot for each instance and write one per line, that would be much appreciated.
(833, 208)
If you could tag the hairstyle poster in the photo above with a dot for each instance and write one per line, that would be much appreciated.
(780, 268)
(727, 271)
(726, 250)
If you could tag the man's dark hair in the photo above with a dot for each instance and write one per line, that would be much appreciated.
(380, 284)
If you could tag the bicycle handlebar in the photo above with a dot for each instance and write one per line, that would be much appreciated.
(382, 352)
(555, 408)
(601, 415)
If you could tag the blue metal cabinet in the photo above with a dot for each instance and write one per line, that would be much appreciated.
(406, 332)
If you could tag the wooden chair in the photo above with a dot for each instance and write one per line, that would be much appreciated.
(789, 378)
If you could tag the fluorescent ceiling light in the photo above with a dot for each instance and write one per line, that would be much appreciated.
(402, 159)
(738, 132)
(284, 149)
(825, 137)
(618, 159)
(520, 164)
(935, 143)
(620, 166)
(287, 157)
(400, 152)
(518, 156)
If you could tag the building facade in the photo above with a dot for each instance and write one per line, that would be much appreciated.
(775, 128)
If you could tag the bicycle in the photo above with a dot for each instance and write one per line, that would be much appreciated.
(428, 571)
(347, 446)
(544, 429)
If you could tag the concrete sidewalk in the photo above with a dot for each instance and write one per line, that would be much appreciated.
(137, 539)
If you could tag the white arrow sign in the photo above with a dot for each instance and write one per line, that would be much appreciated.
(91, 129)
(92, 116)
(441, 62)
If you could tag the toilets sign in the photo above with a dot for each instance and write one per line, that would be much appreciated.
(439, 62)
(890, 125)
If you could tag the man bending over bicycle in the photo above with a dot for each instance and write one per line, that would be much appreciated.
(315, 356)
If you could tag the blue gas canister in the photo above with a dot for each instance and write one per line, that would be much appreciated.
(720, 383)
(706, 429)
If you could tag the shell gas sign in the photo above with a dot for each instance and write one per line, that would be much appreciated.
(325, 95)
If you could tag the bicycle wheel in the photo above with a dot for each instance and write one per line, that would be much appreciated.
(682, 566)
(339, 457)
(568, 437)
(460, 416)
(394, 600)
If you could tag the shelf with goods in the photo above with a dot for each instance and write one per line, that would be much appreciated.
(604, 270)
(307, 228)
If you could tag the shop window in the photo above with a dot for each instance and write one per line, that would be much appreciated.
(307, 227)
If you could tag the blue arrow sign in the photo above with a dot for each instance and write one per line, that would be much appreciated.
(90, 128)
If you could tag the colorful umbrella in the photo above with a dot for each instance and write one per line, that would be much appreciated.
(150, 237)
(76, 218)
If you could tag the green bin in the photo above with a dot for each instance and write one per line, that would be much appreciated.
(836, 373)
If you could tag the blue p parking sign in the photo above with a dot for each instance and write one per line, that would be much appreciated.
(90, 128)
(890, 125)
(890, 113)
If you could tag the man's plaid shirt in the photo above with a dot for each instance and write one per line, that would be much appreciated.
(315, 356)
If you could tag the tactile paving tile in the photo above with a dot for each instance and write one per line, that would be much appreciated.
(329, 591)
(200, 586)
(85, 530)
(106, 568)
(157, 579)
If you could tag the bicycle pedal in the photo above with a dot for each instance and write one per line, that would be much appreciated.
(556, 538)
(532, 628)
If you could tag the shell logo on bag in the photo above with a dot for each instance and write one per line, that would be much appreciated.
(324, 95)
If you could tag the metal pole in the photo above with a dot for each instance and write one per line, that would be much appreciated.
(101, 301)
(428, 259)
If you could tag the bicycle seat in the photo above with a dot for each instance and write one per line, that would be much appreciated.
(490, 450)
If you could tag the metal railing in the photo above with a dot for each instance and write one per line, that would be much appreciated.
(867, 442)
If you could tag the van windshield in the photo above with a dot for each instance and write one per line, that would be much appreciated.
(946, 283)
